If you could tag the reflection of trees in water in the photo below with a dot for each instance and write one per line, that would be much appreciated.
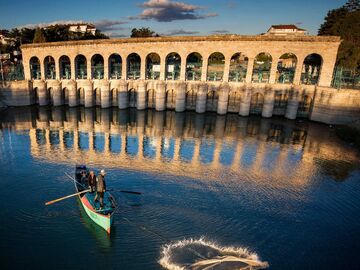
(338, 169)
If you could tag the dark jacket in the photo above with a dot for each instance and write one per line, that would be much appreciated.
(100, 183)
(92, 180)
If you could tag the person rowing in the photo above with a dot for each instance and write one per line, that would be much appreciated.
(100, 188)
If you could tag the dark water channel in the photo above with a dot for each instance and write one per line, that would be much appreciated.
(288, 191)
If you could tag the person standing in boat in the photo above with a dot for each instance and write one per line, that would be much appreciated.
(83, 177)
(92, 181)
(100, 188)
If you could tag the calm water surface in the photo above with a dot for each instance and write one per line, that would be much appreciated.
(288, 191)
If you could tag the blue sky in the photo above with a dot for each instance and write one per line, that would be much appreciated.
(170, 17)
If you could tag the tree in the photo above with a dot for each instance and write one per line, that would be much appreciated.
(39, 36)
(345, 22)
(142, 32)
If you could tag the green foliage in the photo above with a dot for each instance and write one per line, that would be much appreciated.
(142, 32)
(39, 36)
(345, 22)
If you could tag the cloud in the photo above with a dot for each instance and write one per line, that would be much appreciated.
(231, 4)
(168, 10)
(178, 32)
(116, 35)
(109, 25)
(220, 32)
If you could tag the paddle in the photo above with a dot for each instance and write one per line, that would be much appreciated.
(68, 196)
(131, 192)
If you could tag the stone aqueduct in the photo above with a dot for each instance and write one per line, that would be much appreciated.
(242, 74)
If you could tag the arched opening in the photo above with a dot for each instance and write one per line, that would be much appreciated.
(234, 101)
(50, 96)
(36, 95)
(97, 67)
(153, 66)
(132, 97)
(49, 63)
(114, 96)
(212, 98)
(286, 67)
(133, 66)
(280, 102)
(81, 95)
(170, 99)
(193, 67)
(304, 106)
(215, 68)
(115, 66)
(150, 97)
(65, 94)
(311, 69)
(35, 70)
(262, 67)
(256, 103)
(80, 67)
(238, 67)
(190, 99)
(173, 66)
(97, 97)
(65, 67)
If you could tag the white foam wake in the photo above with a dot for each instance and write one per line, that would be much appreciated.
(201, 254)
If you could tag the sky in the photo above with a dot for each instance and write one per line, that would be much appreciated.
(169, 17)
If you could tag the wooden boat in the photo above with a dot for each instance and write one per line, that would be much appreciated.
(102, 217)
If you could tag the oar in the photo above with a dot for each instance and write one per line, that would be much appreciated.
(68, 196)
(126, 191)
(72, 178)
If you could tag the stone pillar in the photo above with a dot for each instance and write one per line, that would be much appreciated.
(106, 67)
(141, 96)
(88, 68)
(88, 93)
(57, 94)
(57, 69)
(124, 68)
(162, 67)
(180, 97)
(226, 69)
(249, 70)
(183, 68)
(42, 69)
(123, 95)
(298, 70)
(42, 92)
(292, 105)
(105, 94)
(223, 99)
(72, 69)
(268, 107)
(201, 98)
(160, 96)
(273, 70)
(143, 67)
(26, 64)
(204, 69)
(245, 102)
(73, 96)
(327, 70)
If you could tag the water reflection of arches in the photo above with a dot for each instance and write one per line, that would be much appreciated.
(150, 98)
(234, 101)
(238, 67)
(193, 66)
(190, 99)
(35, 70)
(311, 69)
(132, 98)
(65, 67)
(286, 67)
(173, 66)
(304, 106)
(256, 103)
(215, 68)
(170, 99)
(212, 98)
(280, 101)
(262, 67)
(49, 65)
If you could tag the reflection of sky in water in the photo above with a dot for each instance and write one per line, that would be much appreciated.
(249, 154)
(115, 143)
(207, 148)
(150, 147)
(168, 147)
(271, 157)
(54, 137)
(227, 153)
(68, 139)
(99, 142)
(83, 141)
(132, 145)
(187, 150)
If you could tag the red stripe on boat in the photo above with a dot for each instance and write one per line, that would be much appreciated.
(88, 205)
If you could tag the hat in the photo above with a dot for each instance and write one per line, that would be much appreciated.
(102, 171)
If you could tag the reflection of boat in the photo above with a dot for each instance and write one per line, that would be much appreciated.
(102, 217)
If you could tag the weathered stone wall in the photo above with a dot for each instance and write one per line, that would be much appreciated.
(16, 93)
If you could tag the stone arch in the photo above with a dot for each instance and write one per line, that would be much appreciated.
(49, 67)
(150, 98)
(65, 67)
(65, 95)
(215, 68)
(170, 99)
(256, 103)
(172, 66)
(238, 67)
(114, 96)
(133, 66)
(97, 67)
(97, 96)
(80, 67)
(35, 69)
(262, 68)
(190, 99)
(81, 95)
(280, 99)
(193, 66)
(50, 95)
(152, 62)
(304, 106)
(115, 66)
(132, 97)
(212, 98)
(36, 95)
(286, 67)
(234, 101)
(311, 69)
